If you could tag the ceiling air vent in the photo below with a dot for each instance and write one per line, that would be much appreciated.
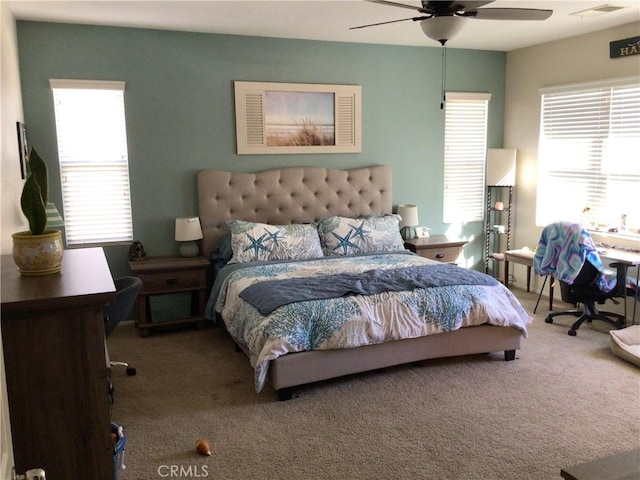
(601, 10)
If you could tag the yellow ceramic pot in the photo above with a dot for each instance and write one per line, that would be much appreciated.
(38, 254)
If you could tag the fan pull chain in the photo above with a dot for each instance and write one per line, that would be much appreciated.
(444, 75)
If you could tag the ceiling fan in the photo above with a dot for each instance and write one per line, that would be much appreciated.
(442, 20)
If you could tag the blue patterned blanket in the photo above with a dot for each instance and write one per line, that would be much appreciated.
(562, 250)
(272, 294)
(351, 321)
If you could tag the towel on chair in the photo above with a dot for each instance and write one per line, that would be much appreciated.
(562, 250)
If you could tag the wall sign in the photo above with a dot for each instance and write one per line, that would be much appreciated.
(624, 48)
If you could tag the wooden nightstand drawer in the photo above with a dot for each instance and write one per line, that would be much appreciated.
(170, 275)
(445, 254)
(437, 247)
(162, 282)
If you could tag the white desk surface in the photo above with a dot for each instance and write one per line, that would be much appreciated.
(630, 258)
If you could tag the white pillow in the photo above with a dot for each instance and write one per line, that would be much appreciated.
(251, 241)
(371, 234)
(625, 343)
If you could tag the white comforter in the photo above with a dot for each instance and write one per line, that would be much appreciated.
(354, 320)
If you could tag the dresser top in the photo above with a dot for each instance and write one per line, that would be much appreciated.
(84, 279)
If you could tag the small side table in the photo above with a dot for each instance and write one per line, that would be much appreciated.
(525, 257)
(436, 247)
(166, 275)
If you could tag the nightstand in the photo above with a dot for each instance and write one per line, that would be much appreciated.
(436, 247)
(167, 275)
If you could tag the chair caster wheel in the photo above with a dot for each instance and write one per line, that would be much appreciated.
(548, 320)
(572, 333)
(131, 371)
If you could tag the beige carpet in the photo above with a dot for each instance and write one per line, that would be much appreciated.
(564, 400)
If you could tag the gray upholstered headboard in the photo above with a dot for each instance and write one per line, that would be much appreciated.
(288, 195)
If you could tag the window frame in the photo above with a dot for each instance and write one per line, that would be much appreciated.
(464, 171)
(580, 120)
(79, 164)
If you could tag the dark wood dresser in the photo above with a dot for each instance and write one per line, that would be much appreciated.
(56, 367)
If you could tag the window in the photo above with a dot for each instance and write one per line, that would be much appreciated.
(94, 165)
(465, 152)
(588, 163)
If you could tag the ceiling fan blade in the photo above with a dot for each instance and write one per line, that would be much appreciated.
(509, 14)
(453, 6)
(415, 19)
(394, 4)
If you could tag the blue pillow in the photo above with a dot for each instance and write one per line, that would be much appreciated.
(221, 255)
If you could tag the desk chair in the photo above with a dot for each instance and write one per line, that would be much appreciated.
(127, 289)
(567, 252)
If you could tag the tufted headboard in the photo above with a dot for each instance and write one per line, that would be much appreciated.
(288, 195)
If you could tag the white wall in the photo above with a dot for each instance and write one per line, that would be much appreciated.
(574, 60)
(10, 189)
(10, 92)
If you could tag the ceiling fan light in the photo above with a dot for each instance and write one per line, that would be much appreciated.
(442, 28)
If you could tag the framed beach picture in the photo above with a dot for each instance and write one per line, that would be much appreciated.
(23, 148)
(297, 118)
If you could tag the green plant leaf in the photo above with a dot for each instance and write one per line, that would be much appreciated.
(35, 194)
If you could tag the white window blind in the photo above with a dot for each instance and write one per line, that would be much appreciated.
(588, 162)
(465, 150)
(94, 165)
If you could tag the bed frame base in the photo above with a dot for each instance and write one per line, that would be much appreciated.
(297, 369)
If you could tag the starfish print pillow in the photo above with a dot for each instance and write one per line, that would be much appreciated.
(371, 234)
(251, 241)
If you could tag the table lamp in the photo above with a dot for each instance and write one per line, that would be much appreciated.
(409, 220)
(187, 230)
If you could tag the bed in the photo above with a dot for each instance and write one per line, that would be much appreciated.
(303, 200)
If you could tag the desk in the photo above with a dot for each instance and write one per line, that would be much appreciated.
(630, 259)
(624, 466)
(523, 257)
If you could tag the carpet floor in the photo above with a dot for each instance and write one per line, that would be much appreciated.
(564, 400)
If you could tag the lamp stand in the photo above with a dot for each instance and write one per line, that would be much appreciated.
(189, 249)
(407, 233)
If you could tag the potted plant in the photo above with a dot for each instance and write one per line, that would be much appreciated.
(37, 251)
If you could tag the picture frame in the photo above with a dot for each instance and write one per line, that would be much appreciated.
(290, 118)
(23, 148)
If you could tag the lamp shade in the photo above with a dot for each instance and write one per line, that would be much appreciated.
(501, 166)
(409, 215)
(53, 216)
(188, 229)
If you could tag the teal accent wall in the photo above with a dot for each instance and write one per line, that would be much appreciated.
(180, 111)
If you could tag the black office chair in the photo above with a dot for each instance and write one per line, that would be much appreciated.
(127, 289)
(583, 289)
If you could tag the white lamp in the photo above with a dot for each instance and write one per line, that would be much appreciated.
(501, 166)
(409, 220)
(187, 230)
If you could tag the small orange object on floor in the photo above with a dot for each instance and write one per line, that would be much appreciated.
(202, 447)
